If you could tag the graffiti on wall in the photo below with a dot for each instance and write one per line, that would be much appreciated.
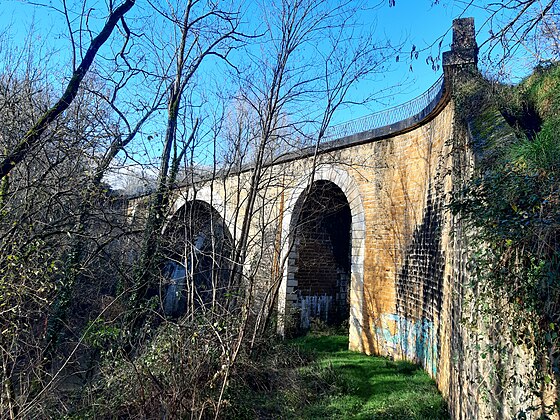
(411, 339)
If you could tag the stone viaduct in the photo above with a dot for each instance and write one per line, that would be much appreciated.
(358, 231)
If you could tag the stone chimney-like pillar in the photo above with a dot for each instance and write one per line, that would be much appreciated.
(462, 60)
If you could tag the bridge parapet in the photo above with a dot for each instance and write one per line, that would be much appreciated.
(406, 114)
(462, 59)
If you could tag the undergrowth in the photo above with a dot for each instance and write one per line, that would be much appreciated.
(322, 379)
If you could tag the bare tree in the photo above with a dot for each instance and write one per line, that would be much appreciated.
(33, 135)
(202, 31)
(296, 78)
(40, 215)
(89, 250)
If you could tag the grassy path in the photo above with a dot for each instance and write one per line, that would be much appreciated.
(331, 382)
(367, 387)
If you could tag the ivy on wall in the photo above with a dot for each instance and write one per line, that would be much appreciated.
(511, 207)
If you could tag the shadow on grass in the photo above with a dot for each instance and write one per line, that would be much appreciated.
(350, 385)
(316, 377)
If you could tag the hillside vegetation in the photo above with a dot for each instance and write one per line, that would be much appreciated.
(512, 210)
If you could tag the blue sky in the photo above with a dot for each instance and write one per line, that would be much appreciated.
(416, 23)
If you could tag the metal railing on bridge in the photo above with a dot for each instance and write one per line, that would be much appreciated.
(388, 116)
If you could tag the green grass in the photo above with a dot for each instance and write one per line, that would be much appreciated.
(335, 383)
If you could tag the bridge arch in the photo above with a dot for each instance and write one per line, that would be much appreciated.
(326, 175)
(198, 246)
(208, 195)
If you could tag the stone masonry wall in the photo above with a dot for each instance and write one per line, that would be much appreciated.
(409, 261)
(396, 188)
(408, 255)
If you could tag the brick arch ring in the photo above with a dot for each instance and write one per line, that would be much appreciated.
(207, 195)
(286, 295)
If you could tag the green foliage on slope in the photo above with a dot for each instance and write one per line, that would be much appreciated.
(541, 155)
(511, 207)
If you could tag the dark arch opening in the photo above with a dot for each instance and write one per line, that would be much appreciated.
(197, 267)
(322, 266)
